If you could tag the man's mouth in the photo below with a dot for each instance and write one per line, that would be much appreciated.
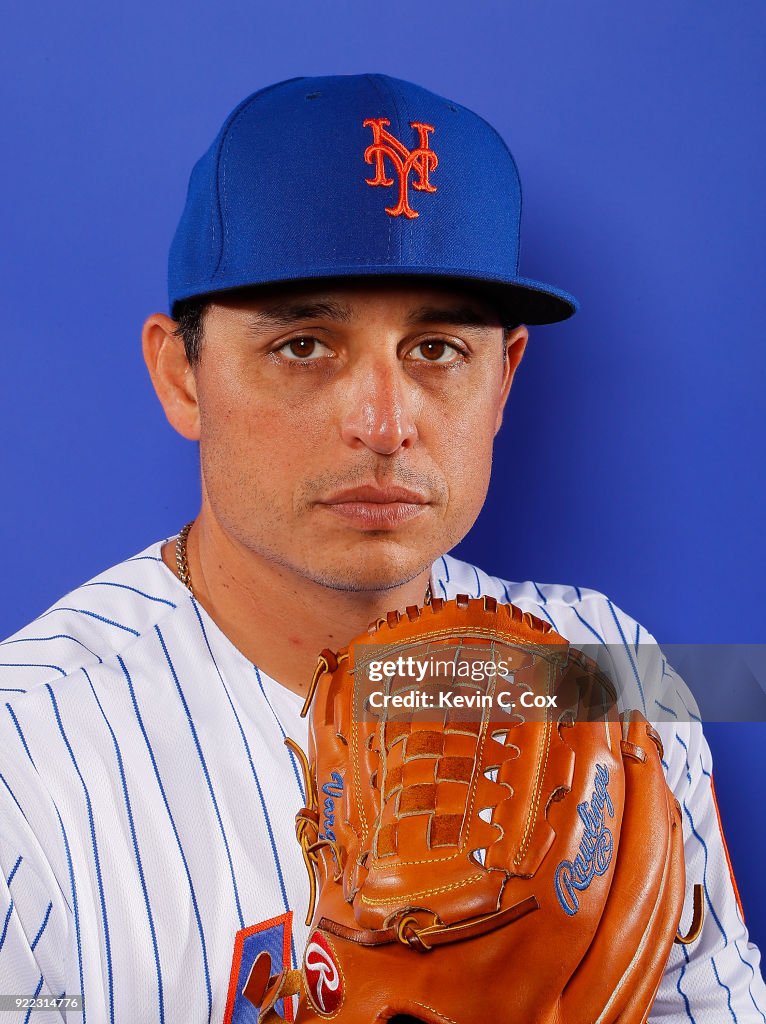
(376, 508)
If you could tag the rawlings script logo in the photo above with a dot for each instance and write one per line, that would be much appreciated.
(322, 975)
(595, 853)
(333, 791)
(421, 160)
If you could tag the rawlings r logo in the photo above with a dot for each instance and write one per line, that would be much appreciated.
(421, 160)
(323, 978)
(595, 854)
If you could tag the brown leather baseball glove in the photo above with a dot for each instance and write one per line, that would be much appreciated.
(483, 844)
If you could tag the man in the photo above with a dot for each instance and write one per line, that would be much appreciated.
(346, 326)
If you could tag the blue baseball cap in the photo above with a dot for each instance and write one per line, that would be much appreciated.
(356, 176)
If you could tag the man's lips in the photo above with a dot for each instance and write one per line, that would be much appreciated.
(376, 508)
(376, 495)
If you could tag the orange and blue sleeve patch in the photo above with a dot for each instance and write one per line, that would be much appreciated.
(273, 936)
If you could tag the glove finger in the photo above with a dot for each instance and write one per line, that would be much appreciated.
(643, 982)
(641, 915)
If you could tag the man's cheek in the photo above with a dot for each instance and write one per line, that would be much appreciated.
(468, 472)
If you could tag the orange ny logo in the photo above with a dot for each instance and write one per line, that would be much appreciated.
(421, 160)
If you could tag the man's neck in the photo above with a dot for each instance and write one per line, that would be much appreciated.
(277, 619)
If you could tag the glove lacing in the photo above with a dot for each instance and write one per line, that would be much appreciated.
(307, 831)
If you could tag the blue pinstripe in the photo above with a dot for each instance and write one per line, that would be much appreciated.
(724, 986)
(478, 582)
(68, 852)
(5, 925)
(73, 905)
(36, 994)
(749, 984)
(446, 567)
(540, 594)
(688, 1008)
(94, 844)
(42, 927)
(630, 656)
(56, 636)
(548, 617)
(205, 772)
(689, 712)
(14, 869)
(15, 721)
(296, 773)
(11, 689)
(92, 615)
(136, 850)
(670, 711)
(444, 590)
(261, 798)
(134, 590)
(704, 848)
(13, 797)
(193, 894)
(588, 626)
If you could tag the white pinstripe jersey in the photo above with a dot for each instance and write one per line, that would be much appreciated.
(147, 843)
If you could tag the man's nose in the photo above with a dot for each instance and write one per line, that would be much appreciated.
(381, 407)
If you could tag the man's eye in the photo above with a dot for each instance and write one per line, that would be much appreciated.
(435, 351)
(302, 349)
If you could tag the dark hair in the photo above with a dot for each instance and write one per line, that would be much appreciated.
(189, 314)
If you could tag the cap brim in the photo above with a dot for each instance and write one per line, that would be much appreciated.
(538, 303)
(520, 301)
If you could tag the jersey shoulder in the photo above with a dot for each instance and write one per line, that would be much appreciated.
(579, 614)
(91, 624)
(592, 622)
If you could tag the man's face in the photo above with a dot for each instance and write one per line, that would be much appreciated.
(346, 432)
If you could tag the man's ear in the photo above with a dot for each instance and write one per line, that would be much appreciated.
(172, 376)
(515, 344)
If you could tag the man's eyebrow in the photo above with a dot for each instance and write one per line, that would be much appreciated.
(285, 314)
(459, 316)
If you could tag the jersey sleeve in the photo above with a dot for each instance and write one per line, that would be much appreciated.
(35, 920)
(718, 977)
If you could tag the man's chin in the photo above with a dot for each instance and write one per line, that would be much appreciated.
(366, 583)
(368, 574)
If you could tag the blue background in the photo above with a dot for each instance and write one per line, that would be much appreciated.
(632, 456)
